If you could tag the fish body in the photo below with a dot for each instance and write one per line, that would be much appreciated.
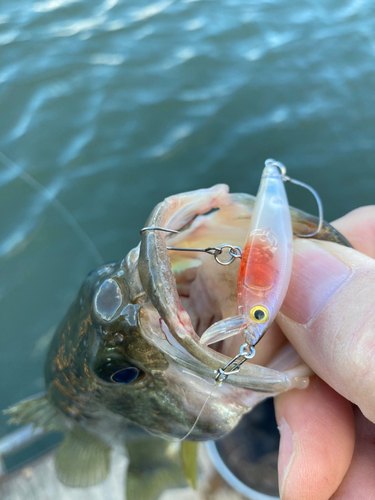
(127, 361)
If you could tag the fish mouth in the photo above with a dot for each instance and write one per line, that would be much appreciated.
(191, 290)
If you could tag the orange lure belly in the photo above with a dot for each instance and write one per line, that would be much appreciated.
(256, 271)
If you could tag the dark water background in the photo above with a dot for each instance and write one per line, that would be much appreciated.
(114, 104)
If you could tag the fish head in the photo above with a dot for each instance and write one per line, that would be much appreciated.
(112, 359)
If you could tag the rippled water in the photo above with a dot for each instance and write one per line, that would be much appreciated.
(113, 105)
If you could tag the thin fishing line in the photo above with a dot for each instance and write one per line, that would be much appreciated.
(198, 416)
(62, 210)
(194, 424)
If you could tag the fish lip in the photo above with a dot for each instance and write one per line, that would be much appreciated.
(155, 272)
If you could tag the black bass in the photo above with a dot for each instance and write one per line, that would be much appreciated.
(128, 353)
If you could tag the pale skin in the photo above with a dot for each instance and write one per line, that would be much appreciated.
(327, 446)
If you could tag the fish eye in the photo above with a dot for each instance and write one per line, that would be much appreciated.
(118, 371)
(259, 314)
(126, 375)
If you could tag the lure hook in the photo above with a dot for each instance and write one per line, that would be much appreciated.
(286, 178)
(234, 251)
(157, 228)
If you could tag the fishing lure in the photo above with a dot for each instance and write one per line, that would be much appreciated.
(266, 265)
(265, 269)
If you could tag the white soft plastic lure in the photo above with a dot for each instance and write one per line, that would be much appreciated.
(266, 264)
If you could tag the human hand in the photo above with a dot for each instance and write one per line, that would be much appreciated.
(327, 445)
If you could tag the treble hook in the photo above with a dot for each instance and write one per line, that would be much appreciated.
(286, 178)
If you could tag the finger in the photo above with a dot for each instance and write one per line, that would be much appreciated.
(358, 227)
(317, 440)
(329, 317)
(359, 481)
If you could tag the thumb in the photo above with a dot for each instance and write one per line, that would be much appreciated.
(329, 317)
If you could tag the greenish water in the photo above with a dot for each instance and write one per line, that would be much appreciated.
(113, 105)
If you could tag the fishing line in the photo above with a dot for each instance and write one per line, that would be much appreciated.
(64, 212)
(214, 387)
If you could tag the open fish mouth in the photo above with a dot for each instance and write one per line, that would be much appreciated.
(190, 290)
